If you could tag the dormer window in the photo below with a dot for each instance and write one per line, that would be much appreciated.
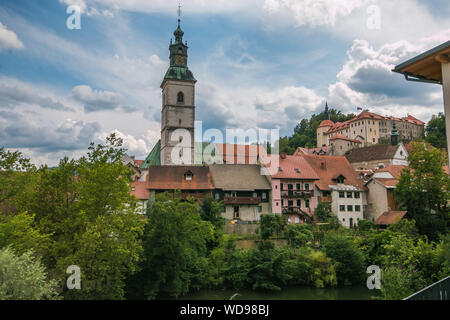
(180, 97)
(339, 179)
(188, 176)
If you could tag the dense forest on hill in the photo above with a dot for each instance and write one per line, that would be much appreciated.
(305, 132)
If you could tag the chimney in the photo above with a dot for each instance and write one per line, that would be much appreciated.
(132, 157)
(283, 155)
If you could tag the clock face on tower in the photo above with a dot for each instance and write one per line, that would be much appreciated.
(179, 60)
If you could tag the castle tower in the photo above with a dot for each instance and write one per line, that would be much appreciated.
(324, 126)
(178, 106)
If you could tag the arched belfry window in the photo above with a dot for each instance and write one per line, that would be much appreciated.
(180, 97)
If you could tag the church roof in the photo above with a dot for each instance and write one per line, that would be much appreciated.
(179, 73)
(154, 157)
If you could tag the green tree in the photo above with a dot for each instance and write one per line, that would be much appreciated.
(348, 260)
(271, 224)
(435, 131)
(322, 272)
(323, 211)
(422, 190)
(175, 243)
(268, 268)
(21, 233)
(87, 208)
(23, 277)
(17, 175)
(398, 282)
(298, 235)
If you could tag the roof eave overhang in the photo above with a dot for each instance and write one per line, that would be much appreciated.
(415, 68)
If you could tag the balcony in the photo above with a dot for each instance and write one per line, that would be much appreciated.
(241, 200)
(297, 193)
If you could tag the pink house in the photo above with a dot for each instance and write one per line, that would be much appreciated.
(293, 188)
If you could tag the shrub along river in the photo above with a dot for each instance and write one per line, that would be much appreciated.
(292, 293)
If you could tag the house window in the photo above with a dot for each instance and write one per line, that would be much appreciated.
(255, 195)
(281, 186)
(341, 194)
(180, 97)
(259, 209)
(349, 195)
(264, 196)
(299, 203)
(299, 186)
(357, 195)
(307, 203)
(217, 196)
(188, 176)
(358, 208)
(341, 208)
(350, 208)
(307, 186)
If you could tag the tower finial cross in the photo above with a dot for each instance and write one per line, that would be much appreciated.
(179, 10)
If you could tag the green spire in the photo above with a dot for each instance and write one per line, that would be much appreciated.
(178, 33)
(178, 69)
(394, 134)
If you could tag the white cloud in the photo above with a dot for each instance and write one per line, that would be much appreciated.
(9, 39)
(15, 93)
(97, 100)
(314, 12)
(135, 146)
(367, 80)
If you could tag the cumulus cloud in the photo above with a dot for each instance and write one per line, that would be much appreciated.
(314, 12)
(366, 79)
(69, 135)
(9, 39)
(15, 93)
(134, 146)
(97, 100)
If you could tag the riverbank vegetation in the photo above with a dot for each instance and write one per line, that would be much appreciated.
(81, 213)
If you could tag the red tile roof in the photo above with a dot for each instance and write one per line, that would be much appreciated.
(138, 163)
(342, 137)
(330, 167)
(173, 178)
(320, 150)
(412, 119)
(395, 170)
(326, 123)
(242, 154)
(390, 217)
(289, 165)
(140, 190)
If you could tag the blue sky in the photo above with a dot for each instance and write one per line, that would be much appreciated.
(259, 64)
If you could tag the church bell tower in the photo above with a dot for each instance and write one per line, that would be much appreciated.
(178, 106)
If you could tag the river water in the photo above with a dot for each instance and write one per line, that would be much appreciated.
(292, 293)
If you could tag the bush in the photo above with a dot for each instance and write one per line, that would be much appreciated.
(24, 278)
(348, 260)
